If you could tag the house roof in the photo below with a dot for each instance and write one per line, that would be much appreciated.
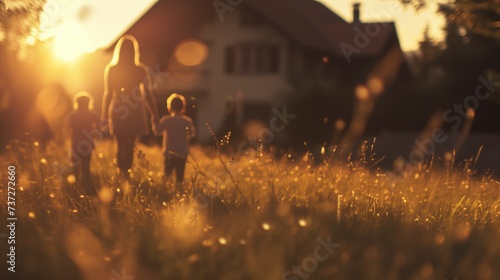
(315, 26)
(308, 22)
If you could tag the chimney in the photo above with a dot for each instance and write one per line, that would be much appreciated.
(355, 12)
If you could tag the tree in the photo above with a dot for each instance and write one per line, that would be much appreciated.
(417, 4)
(19, 23)
(472, 16)
(19, 29)
(471, 48)
(481, 17)
(429, 52)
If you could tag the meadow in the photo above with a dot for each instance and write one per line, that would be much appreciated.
(251, 216)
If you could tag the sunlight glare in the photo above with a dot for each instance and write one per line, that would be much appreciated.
(70, 43)
(184, 222)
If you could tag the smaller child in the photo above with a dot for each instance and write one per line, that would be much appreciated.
(177, 129)
(82, 123)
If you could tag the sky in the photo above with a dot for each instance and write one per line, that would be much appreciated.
(78, 24)
(409, 23)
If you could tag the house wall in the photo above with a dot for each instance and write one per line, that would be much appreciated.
(221, 86)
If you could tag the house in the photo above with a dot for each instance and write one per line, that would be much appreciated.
(235, 64)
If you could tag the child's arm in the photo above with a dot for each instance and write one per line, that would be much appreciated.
(191, 130)
(95, 121)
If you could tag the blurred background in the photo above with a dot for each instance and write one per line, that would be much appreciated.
(394, 70)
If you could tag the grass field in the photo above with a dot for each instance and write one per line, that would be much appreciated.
(251, 216)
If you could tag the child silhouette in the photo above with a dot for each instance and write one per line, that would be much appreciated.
(177, 129)
(82, 124)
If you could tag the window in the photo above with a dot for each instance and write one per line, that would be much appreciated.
(230, 60)
(246, 59)
(252, 58)
(259, 59)
(274, 59)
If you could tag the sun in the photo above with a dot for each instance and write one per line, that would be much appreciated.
(66, 50)
(70, 43)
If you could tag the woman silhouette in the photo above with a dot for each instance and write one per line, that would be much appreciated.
(127, 94)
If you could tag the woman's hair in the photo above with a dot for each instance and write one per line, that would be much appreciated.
(176, 102)
(83, 99)
(127, 45)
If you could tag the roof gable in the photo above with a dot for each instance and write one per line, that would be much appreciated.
(308, 22)
(315, 26)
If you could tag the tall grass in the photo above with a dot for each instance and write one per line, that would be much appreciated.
(252, 216)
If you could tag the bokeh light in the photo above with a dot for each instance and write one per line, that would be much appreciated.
(470, 113)
(53, 103)
(71, 179)
(191, 52)
(340, 124)
(106, 195)
(266, 226)
(375, 85)
(362, 93)
(252, 129)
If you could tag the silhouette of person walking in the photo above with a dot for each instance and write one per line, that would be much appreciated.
(82, 122)
(176, 129)
(127, 95)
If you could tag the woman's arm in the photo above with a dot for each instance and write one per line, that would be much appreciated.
(106, 101)
(157, 128)
(149, 98)
(191, 130)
